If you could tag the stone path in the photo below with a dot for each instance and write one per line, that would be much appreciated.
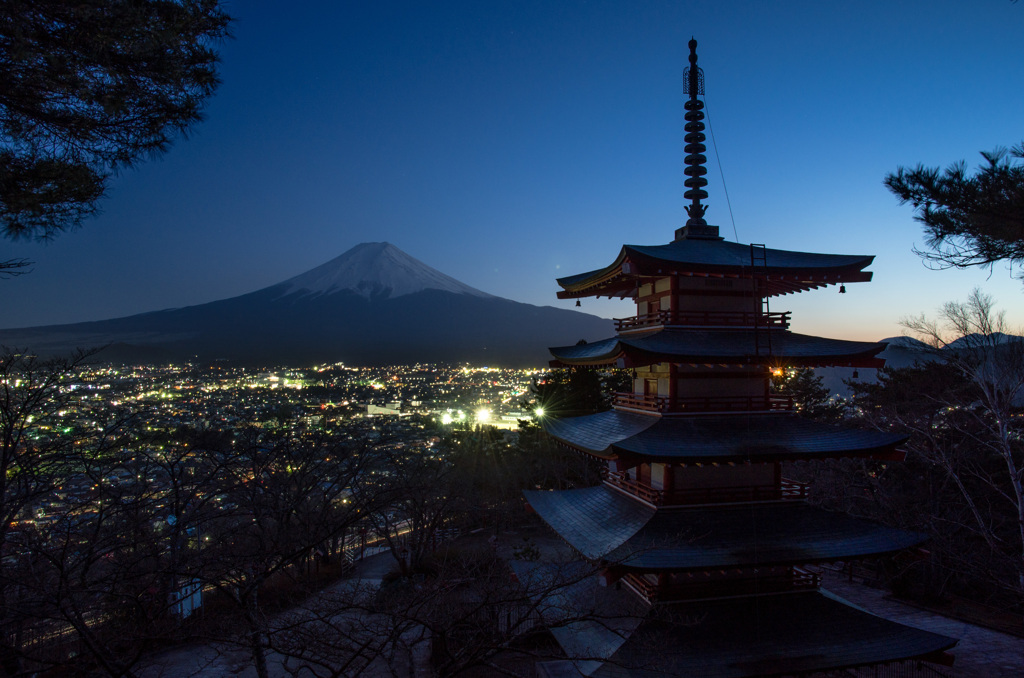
(213, 661)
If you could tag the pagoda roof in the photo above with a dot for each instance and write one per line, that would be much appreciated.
(765, 636)
(604, 633)
(717, 438)
(783, 271)
(608, 526)
(721, 347)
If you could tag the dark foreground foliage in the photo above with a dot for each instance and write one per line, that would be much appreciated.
(91, 87)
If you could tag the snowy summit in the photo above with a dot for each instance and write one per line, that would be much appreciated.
(376, 269)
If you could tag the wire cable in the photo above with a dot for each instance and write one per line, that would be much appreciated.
(721, 173)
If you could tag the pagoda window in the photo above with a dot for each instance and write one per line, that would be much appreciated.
(727, 389)
(652, 381)
(619, 466)
(643, 474)
(711, 286)
(713, 302)
(661, 477)
(719, 477)
(651, 387)
(651, 305)
(720, 388)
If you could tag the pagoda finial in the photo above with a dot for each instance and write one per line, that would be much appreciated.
(693, 79)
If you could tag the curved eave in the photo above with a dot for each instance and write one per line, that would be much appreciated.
(721, 347)
(784, 272)
(797, 634)
(618, 531)
(607, 281)
(765, 535)
(734, 438)
(596, 433)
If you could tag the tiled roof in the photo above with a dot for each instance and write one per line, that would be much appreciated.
(594, 520)
(716, 438)
(604, 524)
(765, 636)
(720, 257)
(595, 433)
(741, 637)
(720, 347)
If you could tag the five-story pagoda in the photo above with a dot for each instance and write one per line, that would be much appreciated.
(694, 516)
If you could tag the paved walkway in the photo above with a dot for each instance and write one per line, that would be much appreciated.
(220, 661)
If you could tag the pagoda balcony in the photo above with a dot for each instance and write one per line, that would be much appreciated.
(787, 490)
(698, 585)
(728, 319)
(702, 404)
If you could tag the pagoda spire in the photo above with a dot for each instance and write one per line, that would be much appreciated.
(696, 226)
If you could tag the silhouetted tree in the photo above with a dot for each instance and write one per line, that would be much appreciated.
(974, 342)
(283, 502)
(493, 467)
(419, 495)
(968, 220)
(472, 615)
(33, 460)
(575, 391)
(810, 396)
(963, 478)
(13, 268)
(88, 88)
(71, 542)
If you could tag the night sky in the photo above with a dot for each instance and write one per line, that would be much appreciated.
(511, 143)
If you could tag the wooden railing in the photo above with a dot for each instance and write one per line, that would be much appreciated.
(798, 579)
(639, 401)
(787, 490)
(690, 404)
(620, 480)
(703, 319)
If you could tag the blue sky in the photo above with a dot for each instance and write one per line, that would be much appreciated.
(511, 143)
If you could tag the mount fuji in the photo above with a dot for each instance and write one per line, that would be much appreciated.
(376, 270)
(373, 305)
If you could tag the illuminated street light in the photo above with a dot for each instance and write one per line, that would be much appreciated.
(483, 414)
(539, 412)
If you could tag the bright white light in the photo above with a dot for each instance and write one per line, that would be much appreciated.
(446, 418)
(483, 414)
(539, 412)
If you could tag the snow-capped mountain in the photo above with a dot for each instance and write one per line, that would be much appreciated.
(975, 340)
(376, 269)
(373, 305)
(907, 351)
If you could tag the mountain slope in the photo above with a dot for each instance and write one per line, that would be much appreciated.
(376, 269)
(373, 305)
